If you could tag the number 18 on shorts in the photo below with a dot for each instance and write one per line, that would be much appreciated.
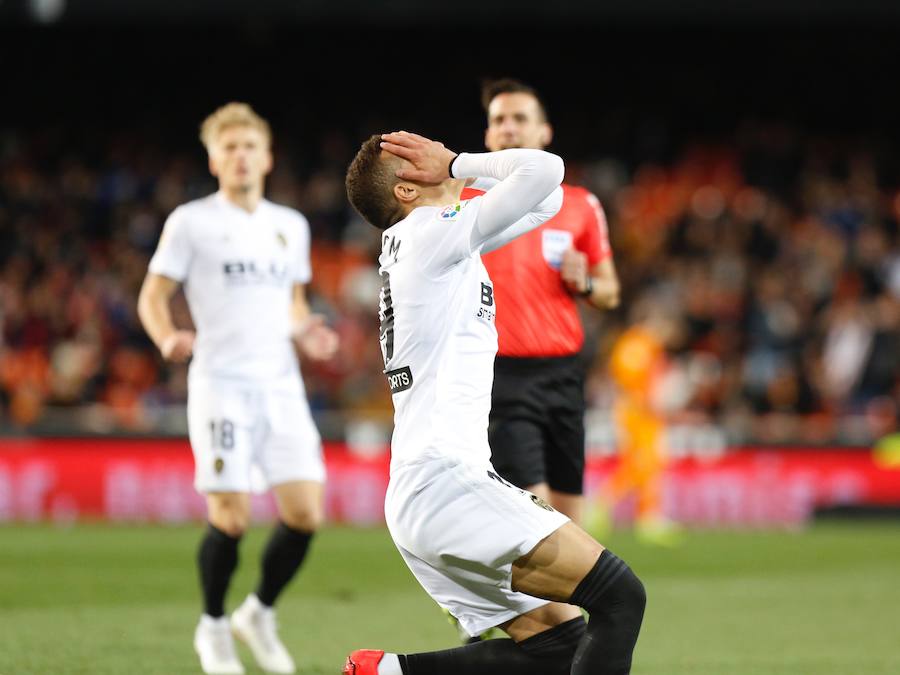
(239, 429)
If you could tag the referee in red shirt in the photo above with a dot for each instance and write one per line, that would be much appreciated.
(536, 427)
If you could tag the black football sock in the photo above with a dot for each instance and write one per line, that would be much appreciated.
(615, 599)
(216, 560)
(547, 653)
(282, 558)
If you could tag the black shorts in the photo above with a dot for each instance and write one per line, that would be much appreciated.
(536, 427)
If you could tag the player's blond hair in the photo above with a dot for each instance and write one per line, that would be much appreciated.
(232, 115)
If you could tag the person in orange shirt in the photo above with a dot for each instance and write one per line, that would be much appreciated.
(637, 364)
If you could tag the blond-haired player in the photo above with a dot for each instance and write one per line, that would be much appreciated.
(244, 263)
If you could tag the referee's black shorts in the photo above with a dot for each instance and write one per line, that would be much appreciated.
(536, 427)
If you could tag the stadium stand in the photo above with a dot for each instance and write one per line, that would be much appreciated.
(775, 252)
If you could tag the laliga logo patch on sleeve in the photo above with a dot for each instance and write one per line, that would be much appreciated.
(450, 212)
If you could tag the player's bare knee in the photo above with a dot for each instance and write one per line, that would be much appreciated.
(230, 515)
(304, 519)
(232, 524)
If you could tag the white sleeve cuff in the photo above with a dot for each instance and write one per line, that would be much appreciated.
(464, 166)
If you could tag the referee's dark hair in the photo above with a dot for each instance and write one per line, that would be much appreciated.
(370, 184)
(491, 89)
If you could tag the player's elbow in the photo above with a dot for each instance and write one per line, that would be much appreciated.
(552, 204)
(556, 168)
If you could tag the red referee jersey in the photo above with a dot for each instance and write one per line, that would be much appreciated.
(536, 314)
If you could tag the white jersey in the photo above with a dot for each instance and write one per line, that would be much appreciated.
(238, 270)
(437, 304)
(438, 336)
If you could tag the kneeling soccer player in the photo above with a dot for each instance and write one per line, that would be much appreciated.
(490, 553)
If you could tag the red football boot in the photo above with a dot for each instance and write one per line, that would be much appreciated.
(363, 662)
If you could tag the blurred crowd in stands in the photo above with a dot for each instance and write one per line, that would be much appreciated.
(774, 256)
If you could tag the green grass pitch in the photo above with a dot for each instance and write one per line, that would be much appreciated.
(99, 600)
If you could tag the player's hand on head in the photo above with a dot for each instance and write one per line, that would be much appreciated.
(574, 270)
(315, 339)
(429, 161)
(178, 346)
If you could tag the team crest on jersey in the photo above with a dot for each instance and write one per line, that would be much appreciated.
(219, 465)
(281, 239)
(450, 212)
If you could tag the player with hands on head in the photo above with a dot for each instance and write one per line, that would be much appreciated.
(490, 553)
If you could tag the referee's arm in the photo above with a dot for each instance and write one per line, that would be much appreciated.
(605, 288)
(599, 285)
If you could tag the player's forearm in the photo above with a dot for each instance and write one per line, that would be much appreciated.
(527, 178)
(300, 311)
(482, 183)
(534, 169)
(541, 214)
(155, 315)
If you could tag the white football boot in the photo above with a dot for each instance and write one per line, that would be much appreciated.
(254, 624)
(215, 647)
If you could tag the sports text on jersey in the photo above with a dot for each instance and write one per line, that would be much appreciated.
(399, 379)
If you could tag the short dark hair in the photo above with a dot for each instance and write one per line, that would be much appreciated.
(370, 185)
(491, 89)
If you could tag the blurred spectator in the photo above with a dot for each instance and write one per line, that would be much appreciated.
(779, 253)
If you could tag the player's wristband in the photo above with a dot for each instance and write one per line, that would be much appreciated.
(450, 166)
(589, 288)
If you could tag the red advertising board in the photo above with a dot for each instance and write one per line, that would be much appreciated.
(152, 480)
